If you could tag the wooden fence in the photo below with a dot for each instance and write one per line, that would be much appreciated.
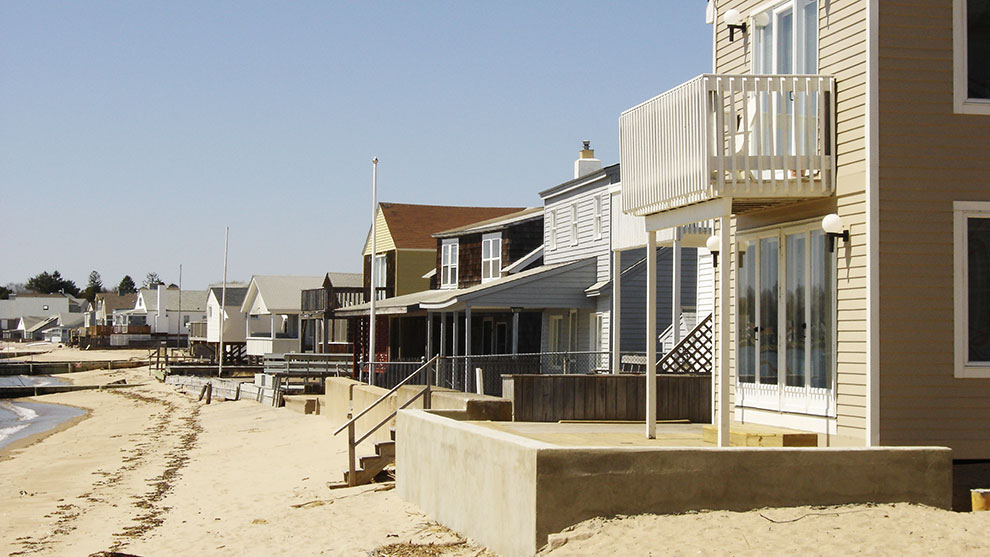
(551, 398)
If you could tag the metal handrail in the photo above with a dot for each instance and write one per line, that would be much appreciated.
(395, 412)
(386, 395)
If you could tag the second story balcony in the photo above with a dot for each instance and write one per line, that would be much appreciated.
(760, 140)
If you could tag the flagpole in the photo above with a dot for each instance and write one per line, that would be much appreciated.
(373, 278)
(223, 298)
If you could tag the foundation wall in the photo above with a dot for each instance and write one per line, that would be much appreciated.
(509, 493)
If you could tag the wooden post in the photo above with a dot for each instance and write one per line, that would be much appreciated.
(202, 393)
(981, 499)
(479, 381)
(209, 392)
(351, 468)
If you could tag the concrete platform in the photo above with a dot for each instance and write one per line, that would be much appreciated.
(510, 485)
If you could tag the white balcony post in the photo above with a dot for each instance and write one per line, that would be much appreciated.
(676, 288)
(467, 346)
(429, 335)
(723, 334)
(615, 319)
(651, 335)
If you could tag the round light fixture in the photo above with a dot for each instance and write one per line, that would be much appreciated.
(732, 17)
(714, 244)
(832, 224)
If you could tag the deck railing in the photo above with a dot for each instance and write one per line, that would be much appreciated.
(739, 136)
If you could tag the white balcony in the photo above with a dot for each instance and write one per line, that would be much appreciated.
(760, 140)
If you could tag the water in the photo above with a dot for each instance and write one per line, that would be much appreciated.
(19, 419)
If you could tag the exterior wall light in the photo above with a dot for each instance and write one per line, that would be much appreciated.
(834, 228)
(714, 243)
(734, 21)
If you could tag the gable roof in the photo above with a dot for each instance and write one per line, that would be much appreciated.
(112, 301)
(280, 293)
(345, 280)
(235, 294)
(412, 226)
(497, 223)
(192, 300)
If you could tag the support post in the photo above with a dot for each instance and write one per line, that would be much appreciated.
(676, 288)
(429, 335)
(616, 317)
(457, 351)
(723, 335)
(651, 335)
(351, 467)
(467, 346)
(515, 332)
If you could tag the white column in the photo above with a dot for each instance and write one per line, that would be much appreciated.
(515, 332)
(615, 318)
(457, 350)
(723, 334)
(467, 345)
(429, 335)
(443, 334)
(676, 287)
(651, 335)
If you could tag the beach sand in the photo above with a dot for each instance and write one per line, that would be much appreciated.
(150, 471)
(154, 472)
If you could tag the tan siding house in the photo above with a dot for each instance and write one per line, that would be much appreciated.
(865, 110)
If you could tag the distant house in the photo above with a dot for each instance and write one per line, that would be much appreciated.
(204, 334)
(160, 309)
(271, 309)
(38, 305)
(107, 302)
(63, 327)
(322, 331)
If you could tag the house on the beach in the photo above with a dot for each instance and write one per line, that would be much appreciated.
(271, 309)
(841, 149)
(225, 307)
(322, 331)
(37, 305)
(159, 310)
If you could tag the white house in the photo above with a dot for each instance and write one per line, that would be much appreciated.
(233, 319)
(190, 303)
(271, 309)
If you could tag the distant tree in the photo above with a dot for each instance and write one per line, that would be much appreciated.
(151, 281)
(5, 293)
(126, 286)
(51, 283)
(15, 287)
(94, 287)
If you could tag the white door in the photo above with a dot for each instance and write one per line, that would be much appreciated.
(785, 329)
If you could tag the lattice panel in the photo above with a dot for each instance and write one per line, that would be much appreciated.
(693, 354)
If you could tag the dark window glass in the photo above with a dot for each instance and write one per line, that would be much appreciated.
(978, 48)
(978, 241)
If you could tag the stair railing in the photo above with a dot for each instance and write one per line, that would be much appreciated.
(352, 443)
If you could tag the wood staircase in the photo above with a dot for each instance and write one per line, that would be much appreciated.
(372, 465)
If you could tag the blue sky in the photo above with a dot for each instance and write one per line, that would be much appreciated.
(131, 133)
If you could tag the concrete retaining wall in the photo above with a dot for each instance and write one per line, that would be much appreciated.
(509, 493)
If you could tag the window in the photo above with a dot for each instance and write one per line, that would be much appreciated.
(597, 332)
(448, 264)
(971, 284)
(786, 38)
(552, 229)
(381, 277)
(491, 256)
(574, 225)
(209, 311)
(598, 217)
(971, 65)
(556, 333)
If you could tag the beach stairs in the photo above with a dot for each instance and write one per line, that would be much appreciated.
(370, 466)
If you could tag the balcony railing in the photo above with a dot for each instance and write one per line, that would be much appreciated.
(748, 137)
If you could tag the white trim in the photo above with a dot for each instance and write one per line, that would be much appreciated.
(523, 262)
(872, 131)
(494, 242)
(552, 231)
(598, 210)
(801, 422)
(574, 224)
(962, 104)
(448, 271)
(962, 211)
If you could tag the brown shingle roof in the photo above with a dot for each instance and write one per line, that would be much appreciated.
(412, 226)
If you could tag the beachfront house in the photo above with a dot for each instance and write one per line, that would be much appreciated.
(62, 328)
(204, 334)
(271, 310)
(159, 310)
(841, 150)
(37, 305)
(405, 256)
(322, 331)
(107, 302)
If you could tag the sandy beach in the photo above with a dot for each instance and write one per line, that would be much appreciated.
(150, 471)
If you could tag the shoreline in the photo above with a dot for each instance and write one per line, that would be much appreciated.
(61, 425)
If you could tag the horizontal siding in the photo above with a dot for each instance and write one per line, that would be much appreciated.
(633, 318)
(587, 245)
(929, 157)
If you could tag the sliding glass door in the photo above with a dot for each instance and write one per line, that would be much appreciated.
(784, 332)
